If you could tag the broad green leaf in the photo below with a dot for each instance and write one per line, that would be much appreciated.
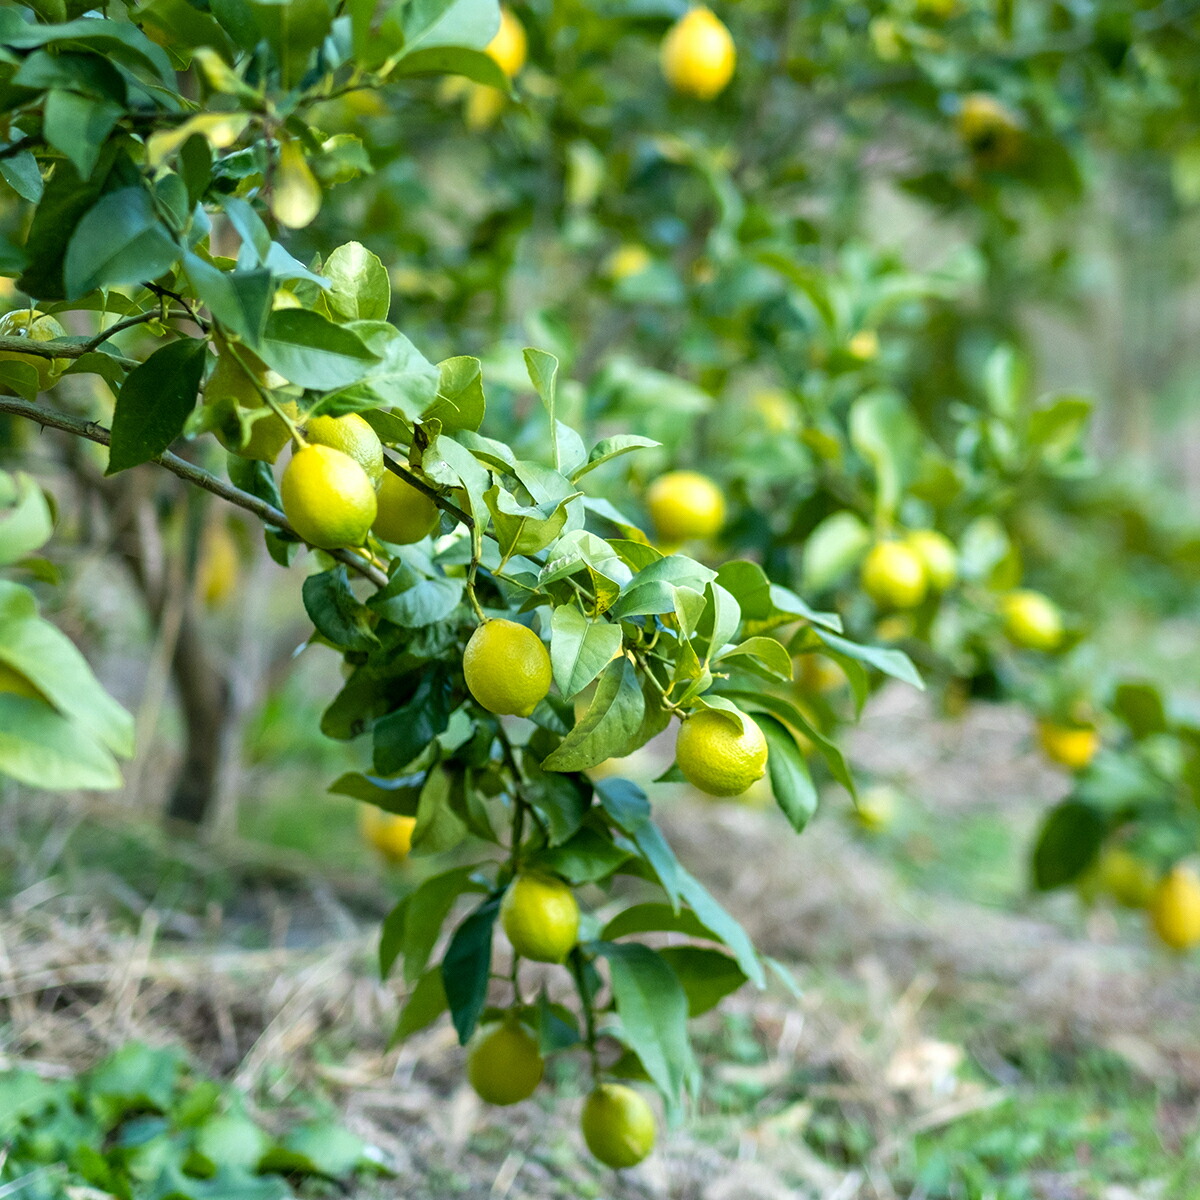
(895, 663)
(833, 548)
(580, 648)
(525, 529)
(360, 288)
(136, 1076)
(1056, 429)
(613, 717)
(398, 794)
(240, 299)
(78, 125)
(766, 650)
(1140, 706)
(467, 966)
(460, 402)
(468, 23)
(25, 520)
(42, 749)
(706, 976)
(791, 783)
(585, 857)
(720, 923)
(1069, 840)
(610, 448)
(425, 912)
(403, 734)
(317, 1148)
(154, 403)
(310, 351)
(562, 801)
(655, 918)
(543, 374)
(426, 1002)
(336, 612)
(120, 240)
(23, 174)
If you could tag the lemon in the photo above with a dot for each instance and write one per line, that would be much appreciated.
(510, 46)
(1129, 880)
(1175, 909)
(327, 497)
(405, 515)
(353, 436)
(698, 55)
(618, 1125)
(774, 409)
(938, 556)
(685, 505)
(218, 565)
(504, 1064)
(1070, 746)
(36, 327)
(484, 104)
(626, 261)
(718, 758)
(540, 917)
(507, 668)
(863, 346)
(894, 576)
(1031, 620)
(390, 833)
(989, 129)
(16, 684)
(876, 808)
(295, 198)
(816, 673)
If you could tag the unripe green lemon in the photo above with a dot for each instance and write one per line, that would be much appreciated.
(507, 668)
(353, 436)
(938, 556)
(540, 917)
(504, 1064)
(618, 1125)
(510, 45)
(1070, 746)
(405, 515)
(35, 326)
(698, 55)
(718, 758)
(1175, 909)
(1031, 620)
(685, 505)
(327, 497)
(894, 576)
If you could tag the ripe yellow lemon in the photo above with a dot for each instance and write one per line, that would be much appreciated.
(938, 556)
(353, 436)
(626, 261)
(894, 576)
(698, 55)
(1031, 620)
(504, 1064)
(510, 46)
(1175, 909)
(540, 917)
(218, 565)
(1070, 746)
(327, 497)
(34, 326)
(718, 758)
(16, 684)
(685, 505)
(1129, 880)
(390, 833)
(618, 1125)
(989, 129)
(483, 105)
(405, 515)
(507, 668)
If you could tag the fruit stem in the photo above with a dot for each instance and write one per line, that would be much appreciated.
(667, 703)
(268, 399)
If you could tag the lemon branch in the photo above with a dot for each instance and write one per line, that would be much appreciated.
(92, 431)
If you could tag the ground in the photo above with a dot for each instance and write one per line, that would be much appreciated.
(956, 1039)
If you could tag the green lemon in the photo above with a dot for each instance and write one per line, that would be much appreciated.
(507, 668)
(618, 1125)
(717, 757)
(504, 1064)
(540, 917)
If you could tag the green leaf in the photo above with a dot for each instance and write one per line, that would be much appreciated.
(655, 918)
(586, 857)
(336, 612)
(580, 649)
(766, 650)
(522, 528)
(653, 1009)
(460, 402)
(468, 23)
(706, 976)
(23, 174)
(605, 730)
(240, 299)
(25, 519)
(610, 448)
(895, 663)
(467, 966)
(136, 1076)
(42, 749)
(1056, 429)
(154, 403)
(1069, 840)
(414, 601)
(455, 60)
(405, 733)
(543, 374)
(360, 288)
(791, 783)
(425, 1004)
(561, 801)
(310, 351)
(120, 240)
(425, 912)
(317, 1148)
(77, 126)
(1140, 706)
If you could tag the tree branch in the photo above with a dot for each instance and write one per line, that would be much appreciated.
(186, 471)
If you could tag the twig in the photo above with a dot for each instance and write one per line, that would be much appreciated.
(188, 472)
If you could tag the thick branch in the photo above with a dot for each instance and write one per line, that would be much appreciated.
(186, 471)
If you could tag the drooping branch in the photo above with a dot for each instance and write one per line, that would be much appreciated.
(186, 471)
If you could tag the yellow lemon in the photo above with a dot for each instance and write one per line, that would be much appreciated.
(504, 1064)
(218, 565)
(718, 758)
(405, 515)
(626, 261)
(989, 129)
(685, 505)
(1031, 620)
(938, 556)
(864, 345)
(353, 436)
(510, 45)
(16, 684)
(618, 1125)
(540, 917)
(390, 833)
(327, 497)
(876, 808)
(1175, 909)
(295, 197)
(894, 576)
(484, 104)
(698, 55)
(33, 326)
(1070, 746)
(507, 668)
